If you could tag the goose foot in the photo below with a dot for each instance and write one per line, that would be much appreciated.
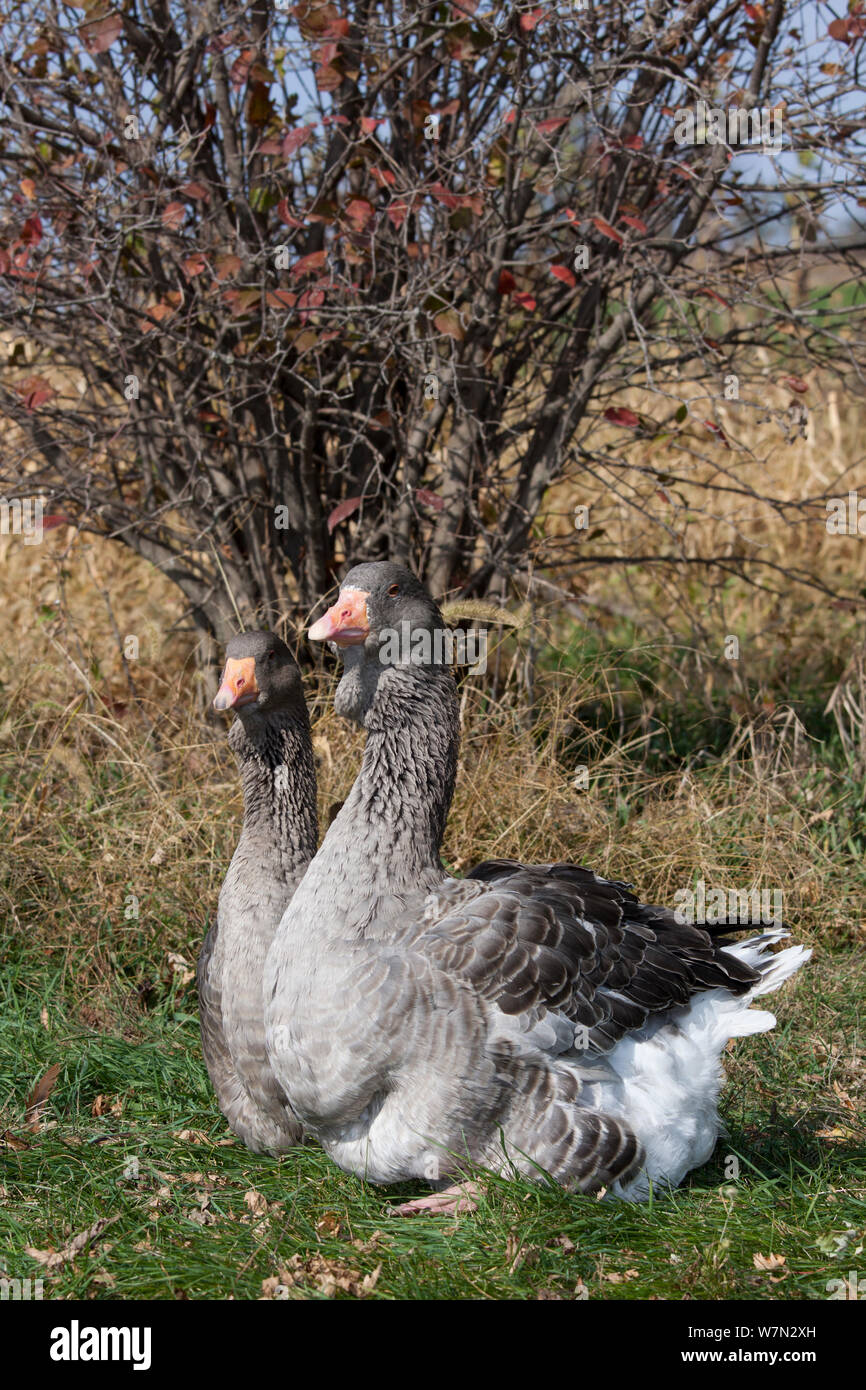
(451, 1201)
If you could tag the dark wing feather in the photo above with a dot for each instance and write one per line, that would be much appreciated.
(557, 936)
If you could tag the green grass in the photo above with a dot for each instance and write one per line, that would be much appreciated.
(798, 1194)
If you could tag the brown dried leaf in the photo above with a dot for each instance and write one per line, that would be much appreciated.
(38, 1097)
(256, 1202)
(768, 1262)
(53, 1259)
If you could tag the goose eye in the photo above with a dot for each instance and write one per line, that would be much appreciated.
(271, 656)
(394, 590)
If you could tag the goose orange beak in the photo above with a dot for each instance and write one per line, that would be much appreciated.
(239, 685)
(346, 622)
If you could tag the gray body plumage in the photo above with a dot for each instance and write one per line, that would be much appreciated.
(273, 748)
(417, 1021)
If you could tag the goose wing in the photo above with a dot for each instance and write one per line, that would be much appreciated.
(557, 937)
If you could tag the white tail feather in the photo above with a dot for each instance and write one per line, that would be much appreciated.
(668, 1080)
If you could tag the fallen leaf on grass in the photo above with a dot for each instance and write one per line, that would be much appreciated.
(38, 1098)
(191, 1136)
(8, 1140)
(257, 1204)
(768, 1262)
(565, 1241)
(53, 1259)
(106, 1105)
(328, 1225)
(325, 1276)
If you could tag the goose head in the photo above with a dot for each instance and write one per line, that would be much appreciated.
(385, 626)
(260, 678)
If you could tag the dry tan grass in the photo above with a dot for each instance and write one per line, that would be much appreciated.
(112, 789)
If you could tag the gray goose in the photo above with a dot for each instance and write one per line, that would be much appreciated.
(532, 1018)
(271, 741)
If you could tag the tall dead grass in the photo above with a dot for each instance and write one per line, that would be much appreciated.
(121, 805)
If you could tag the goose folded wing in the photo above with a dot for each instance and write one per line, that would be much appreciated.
(557, 937)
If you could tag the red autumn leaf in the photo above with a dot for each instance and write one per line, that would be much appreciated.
(285, 215)
(711, 294)
(310, 299)
(716, 430)
(100, 34)
(606, 229)
(227, 266)
(563, 273)
(328, 78)
(397, 213)
(430, 499)
(634, 142)
(197, 191)
(281, 299)
(506, 283)
(571, 214)
(174, 216)
(510, 117)
(448, 322)
(337, 28)
(241, 301)
(342, 510)
(621, 415)
(529, 21)
(554, 123)
(526, 301)
(240, 68)
(295, 139)
(635, 222)
(359, 212)
(383, 177)
(445, 196)
(57, 519)
(369, 123)
(796, 383)
(307, 264)
(31, 232)
(35, 391)
(193, 265)
(336, 120)
(270, 147)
